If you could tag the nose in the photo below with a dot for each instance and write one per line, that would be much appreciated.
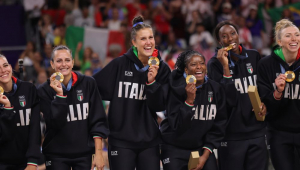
(293, 37)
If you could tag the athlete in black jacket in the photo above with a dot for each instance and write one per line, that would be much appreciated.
(281, 97)
(244, 144)
(196, 115)
(75, 119)
(135, 93)
(20, 133)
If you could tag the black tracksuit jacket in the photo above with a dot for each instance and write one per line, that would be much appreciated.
(20, 132)
(72, 122)
(201, 125)
(242, 123)
(133, 104)
(283, 114)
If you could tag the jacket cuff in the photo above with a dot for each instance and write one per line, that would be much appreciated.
(61, 99)
(8, 108)
(189, 104)
(150, 83)
(208, 148)
(33, 163)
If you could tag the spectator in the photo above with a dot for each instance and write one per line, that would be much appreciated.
(85, 63)
(226, 12)
(114, 51)
(244, 33)
(41, 78)
(84, 20)
(96, 64)
(59, 35)
(47, 58)
(46, 29)
(256, 28)
(202, 37)
(114, 24)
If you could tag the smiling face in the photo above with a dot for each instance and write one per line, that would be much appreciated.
(144, 42)
(228, 35)
(5, 71)
(196, 66)
(62, 62)
(290, 39)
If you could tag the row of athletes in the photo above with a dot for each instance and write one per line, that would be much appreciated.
(214, 112)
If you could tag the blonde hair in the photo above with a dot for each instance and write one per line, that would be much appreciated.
(280, 25)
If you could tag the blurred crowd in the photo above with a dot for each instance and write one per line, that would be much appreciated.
(178, 24)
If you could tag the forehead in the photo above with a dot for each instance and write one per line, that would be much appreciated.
(144, 32)
(196, 58)
(62, 54)
(290, 30)
(226, 29)
(3, 60)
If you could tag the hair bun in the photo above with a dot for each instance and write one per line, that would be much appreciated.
(137, 19)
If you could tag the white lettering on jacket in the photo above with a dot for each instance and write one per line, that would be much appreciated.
(211, 112)
(81, 114)
(131, 90)
(24, 118)
(241, 84)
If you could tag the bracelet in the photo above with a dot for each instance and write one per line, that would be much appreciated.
(276, 97)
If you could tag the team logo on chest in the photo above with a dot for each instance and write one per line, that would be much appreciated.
(210, 96)
(79, 95)
(249, 68)
(22, 101)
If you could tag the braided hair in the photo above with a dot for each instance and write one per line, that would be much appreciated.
(184, 58)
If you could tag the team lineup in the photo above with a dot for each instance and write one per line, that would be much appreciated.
(206, 106)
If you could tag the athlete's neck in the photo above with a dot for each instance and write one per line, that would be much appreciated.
(290, 57)
(67, 79)
(7, 87)
(143, 59)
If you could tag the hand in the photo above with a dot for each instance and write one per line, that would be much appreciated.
(98, 162)
(191, 92)
(152, 73)
(202, 160)
(79, 46)
(31, 167)
(56, 85)
(263, 110)
(222, 57)
(4, 100)
(280, 82)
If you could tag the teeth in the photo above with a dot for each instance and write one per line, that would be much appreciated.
(148, 48)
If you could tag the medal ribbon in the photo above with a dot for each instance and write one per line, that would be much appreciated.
(283, 70)
(68, 86)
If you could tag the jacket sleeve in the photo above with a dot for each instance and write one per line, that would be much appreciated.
(266, 89)
(179, 113)
(56, 115)
(34, 144)
(97, 118)
(215, 72)
(216, 133)
(157, 92)
(106, 80)
(7, 124)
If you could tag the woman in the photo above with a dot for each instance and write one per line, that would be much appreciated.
(196, 115)
(75, 121)
(244, 144)
(280, 94)
(135, 92)
(20, 133)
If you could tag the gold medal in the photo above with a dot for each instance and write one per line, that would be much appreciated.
(1, 90)
(58, 76)
(190, 79)
(153, 61)
(290, 76)
(229, 47)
